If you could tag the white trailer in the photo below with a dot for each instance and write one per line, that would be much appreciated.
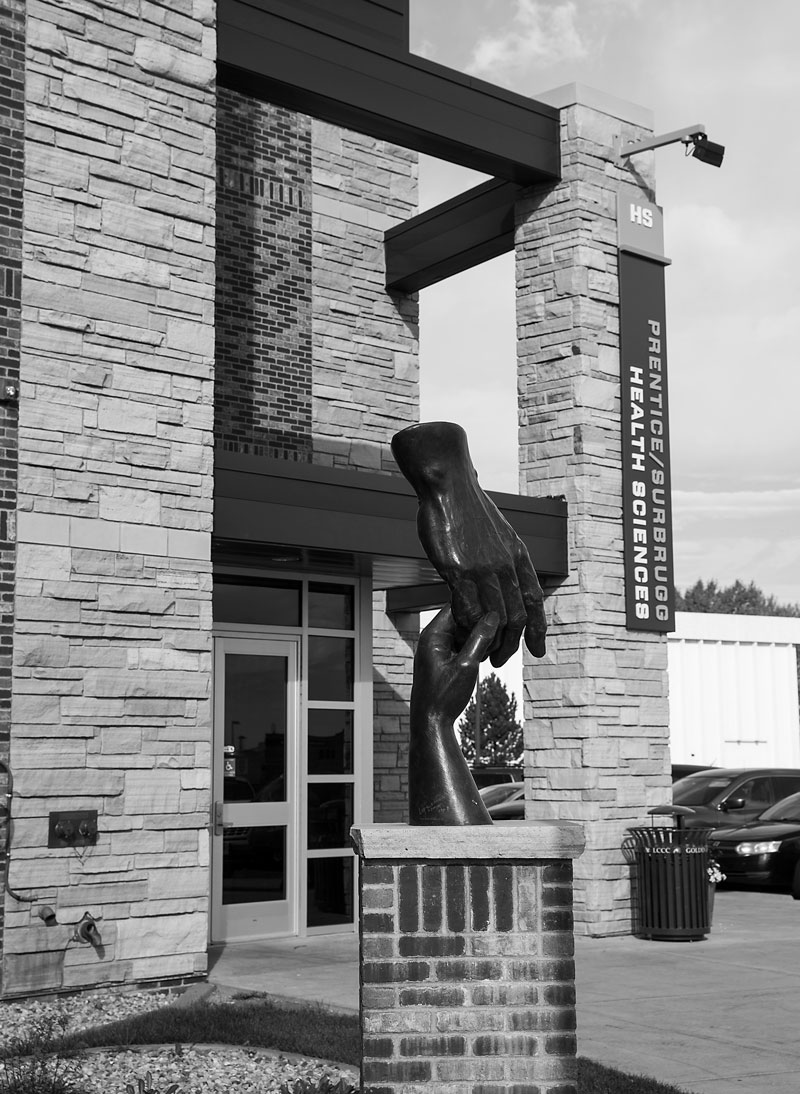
(733, 690)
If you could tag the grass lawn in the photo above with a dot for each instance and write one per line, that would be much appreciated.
(308, 1031)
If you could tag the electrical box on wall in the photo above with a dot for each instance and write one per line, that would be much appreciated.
(72, 829)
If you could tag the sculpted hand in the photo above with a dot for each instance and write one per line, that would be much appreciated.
(444, 675)
(471, 545)
(441, 789)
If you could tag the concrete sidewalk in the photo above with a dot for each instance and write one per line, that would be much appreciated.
(712, 1017)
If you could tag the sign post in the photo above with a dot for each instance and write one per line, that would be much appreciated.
(646, 485)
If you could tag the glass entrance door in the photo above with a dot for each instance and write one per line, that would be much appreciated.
(254, 865)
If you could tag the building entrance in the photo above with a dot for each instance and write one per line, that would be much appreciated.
(292, 756)
(256, 791)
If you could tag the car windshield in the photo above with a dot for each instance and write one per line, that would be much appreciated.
(699, 789)
(786, 810)
(493, 795)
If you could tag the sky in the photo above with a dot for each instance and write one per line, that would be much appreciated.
(733, 234)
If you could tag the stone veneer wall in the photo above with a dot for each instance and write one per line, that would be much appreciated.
(112, 657)
(12, 92)
(263, 337)
(366, 380)
(596, 716)
(394, 643)
(366, 365)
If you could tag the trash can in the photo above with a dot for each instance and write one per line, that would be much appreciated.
(670, 879)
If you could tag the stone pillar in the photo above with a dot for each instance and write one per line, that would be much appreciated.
(467, 976)
(596, 718)
(12, 94)
(112, 639)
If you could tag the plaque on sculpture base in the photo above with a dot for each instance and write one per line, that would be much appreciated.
(467, 971)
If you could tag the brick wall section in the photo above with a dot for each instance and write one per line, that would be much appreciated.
(12, 92)
(263, 338)
(596, 718)
(366, 367)
(112, 655)
(467, 977)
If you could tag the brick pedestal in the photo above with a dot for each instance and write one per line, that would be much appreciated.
(467, 977)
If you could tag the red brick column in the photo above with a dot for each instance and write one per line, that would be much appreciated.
(467, 977)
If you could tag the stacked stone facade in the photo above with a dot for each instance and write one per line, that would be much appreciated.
(112, 635)
(12, 91)
(394, 643)
(366, 367)
(596, 716)
(111, 671)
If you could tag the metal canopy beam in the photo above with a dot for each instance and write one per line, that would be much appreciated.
(452, 237)
(298, 56)
(264, 501)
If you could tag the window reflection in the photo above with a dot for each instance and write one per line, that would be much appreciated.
(330, 742)
(330, 891)
(330, 814)
(330, 668)
(253, 864)
(330, 606)
(245, 600)
(255, 728)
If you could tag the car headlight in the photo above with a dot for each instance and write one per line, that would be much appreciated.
(769, 847)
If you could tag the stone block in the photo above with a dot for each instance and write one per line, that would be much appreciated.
(152, 792)
(126, 416)
(149, 937)
(162, 59)
(129, 504)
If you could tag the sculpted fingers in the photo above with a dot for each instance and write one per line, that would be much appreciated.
(466, 604)
(516, 619)
(533, 599)
(480, 639)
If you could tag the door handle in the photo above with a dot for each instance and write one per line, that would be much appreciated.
(218, 824)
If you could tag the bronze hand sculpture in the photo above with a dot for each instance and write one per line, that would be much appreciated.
(473, 548)
(495, 598)
(441, 789)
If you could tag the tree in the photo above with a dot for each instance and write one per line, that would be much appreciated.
(501, 733)
(735, 599)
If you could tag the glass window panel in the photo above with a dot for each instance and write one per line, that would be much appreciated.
(330, 606)
(242, 600)
(330, 742)
(330, 668)
(253, 864)
(255, 728)
(330, 891)
(330, 814)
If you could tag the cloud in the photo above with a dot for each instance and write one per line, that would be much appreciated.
(733, 503)
(745, 535)
(540, 31)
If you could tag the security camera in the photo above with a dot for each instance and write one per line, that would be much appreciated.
(693, 136)
(707, 151)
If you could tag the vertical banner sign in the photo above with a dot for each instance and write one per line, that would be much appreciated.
(646, 498)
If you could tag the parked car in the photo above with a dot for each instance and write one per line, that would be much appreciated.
(731, 796)
(766, 851)
(499, 793)
(488, 776)
(509, 807)
(680, 771)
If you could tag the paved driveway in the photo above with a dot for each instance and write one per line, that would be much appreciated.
(715, 1016)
